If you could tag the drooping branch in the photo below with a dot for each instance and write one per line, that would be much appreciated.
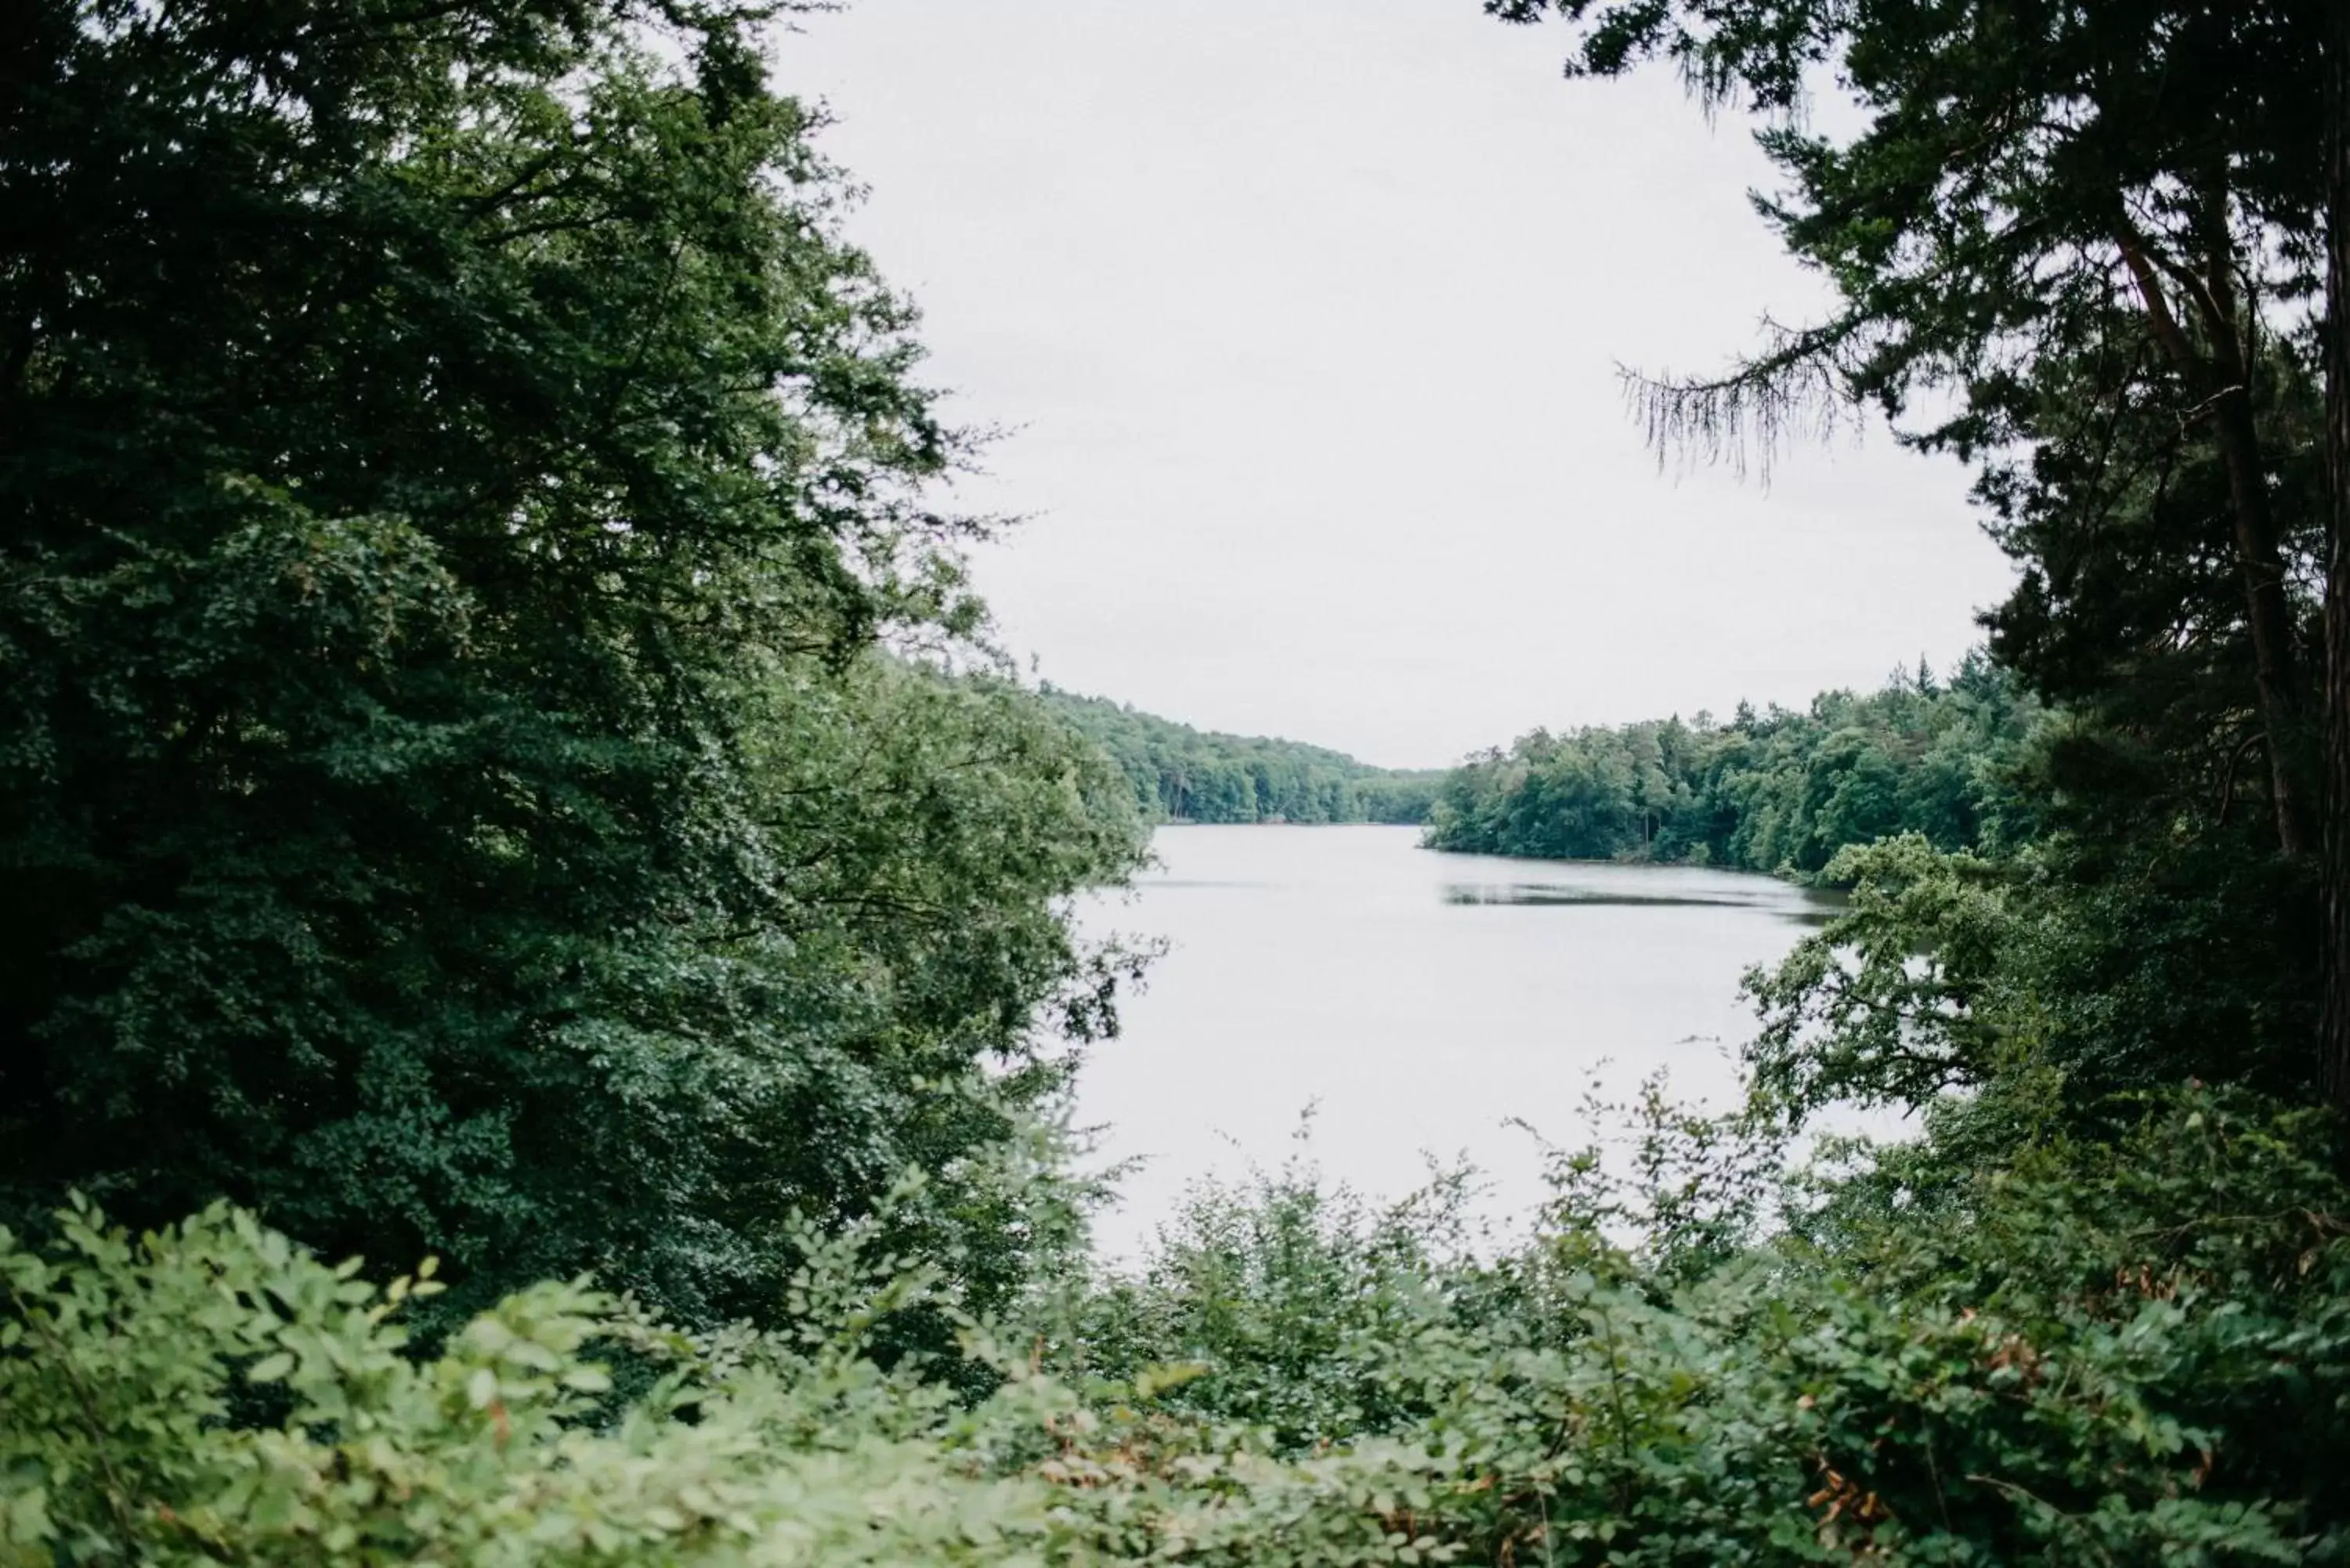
(1799, 388)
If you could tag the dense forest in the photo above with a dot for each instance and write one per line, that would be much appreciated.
(1774, 791)
(1183, 774)
(536, 997)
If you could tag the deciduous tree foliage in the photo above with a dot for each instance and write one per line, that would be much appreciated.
(2128, 1352)
(1183, 774)
(1774, 790)
(454, 478)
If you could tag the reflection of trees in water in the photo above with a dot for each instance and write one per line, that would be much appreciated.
(1550, 893)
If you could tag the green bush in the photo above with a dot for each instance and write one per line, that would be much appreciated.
(2126, 1353)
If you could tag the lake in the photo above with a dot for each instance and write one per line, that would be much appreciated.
(1417, 1001)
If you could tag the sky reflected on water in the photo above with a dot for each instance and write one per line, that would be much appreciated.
(1420, 1002)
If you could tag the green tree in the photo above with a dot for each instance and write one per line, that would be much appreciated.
(2089, 233)
(1775, 792)
(2126, 187)
(1183, 774)
(454, 477)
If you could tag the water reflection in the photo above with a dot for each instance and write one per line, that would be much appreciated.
(1550, 893)
(1805, 906)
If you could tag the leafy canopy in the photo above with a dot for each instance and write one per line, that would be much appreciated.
(457, 487)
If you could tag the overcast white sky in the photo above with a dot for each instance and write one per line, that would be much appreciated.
(1303, 315)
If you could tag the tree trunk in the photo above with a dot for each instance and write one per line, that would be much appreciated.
(2334, 1018)
(2268, 609)
(2223, 378)
(2270, 614)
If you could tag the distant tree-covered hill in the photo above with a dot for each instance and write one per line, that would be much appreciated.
(1183, 774)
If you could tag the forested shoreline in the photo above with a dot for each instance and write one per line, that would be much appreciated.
(537, 984)
(1183, 774)
(1777, 790)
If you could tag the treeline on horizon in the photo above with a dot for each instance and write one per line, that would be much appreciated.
(1183, 774)
(1777, 790)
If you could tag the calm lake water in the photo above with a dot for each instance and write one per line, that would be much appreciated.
(1419, 1002)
